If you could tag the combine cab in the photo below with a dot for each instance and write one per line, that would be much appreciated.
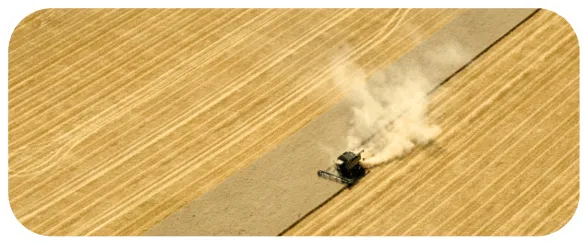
(347, 169)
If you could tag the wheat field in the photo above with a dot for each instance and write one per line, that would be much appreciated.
(119, 117)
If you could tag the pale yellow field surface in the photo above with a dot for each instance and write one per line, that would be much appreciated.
(119, 117)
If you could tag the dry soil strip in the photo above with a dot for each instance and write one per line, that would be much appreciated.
(281, 187)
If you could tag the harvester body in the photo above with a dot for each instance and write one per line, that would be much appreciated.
(347, 169)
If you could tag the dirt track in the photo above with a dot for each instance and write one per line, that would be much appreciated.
(174, 101)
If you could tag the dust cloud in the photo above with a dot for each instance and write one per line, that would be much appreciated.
(388, 108)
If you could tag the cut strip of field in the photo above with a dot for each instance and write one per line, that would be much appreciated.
(274, 192)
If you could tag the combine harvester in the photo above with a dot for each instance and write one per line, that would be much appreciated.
(347, 169)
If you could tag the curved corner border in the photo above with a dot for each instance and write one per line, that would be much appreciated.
(6, 236)
(581, 10)
(5, 5)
